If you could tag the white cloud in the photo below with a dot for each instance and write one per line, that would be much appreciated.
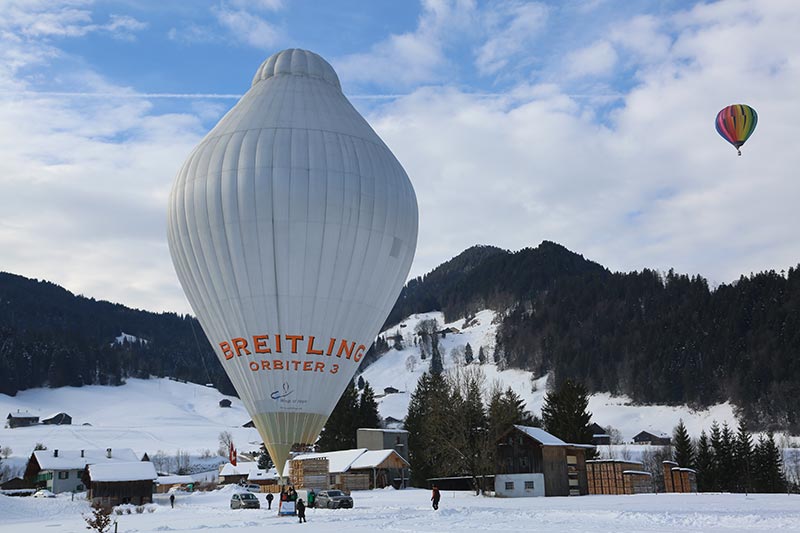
(413, 57)
(511, 28)
(249, 27)
(60, 19)
(597, 59)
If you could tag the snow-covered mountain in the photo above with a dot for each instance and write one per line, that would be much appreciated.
(400, 369)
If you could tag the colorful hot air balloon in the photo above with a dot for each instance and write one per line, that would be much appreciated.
(292, 228)
(736, 124)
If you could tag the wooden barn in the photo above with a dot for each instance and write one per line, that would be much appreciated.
(532, 462)
(120, 483)
(21, 419)
(382, 467)
(645, 437)
(58, 419)
(599, 435)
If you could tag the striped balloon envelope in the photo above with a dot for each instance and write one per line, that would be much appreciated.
(736, 124)
(292, 228)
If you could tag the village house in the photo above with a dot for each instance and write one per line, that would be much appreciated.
(599, 435)
(357, 469)
(112, 484)
(62, 470)
(645, 437)
(230, 474)
(532, 462)
(21, 419)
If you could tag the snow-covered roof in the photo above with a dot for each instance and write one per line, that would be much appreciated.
(134, 471)
(374, 458)
(338, 462)
(72, 460)
(259, 475)
(174, 480)
(385, 430)
(22, 414)
(243, 468)
(543, 437)
(637, 472)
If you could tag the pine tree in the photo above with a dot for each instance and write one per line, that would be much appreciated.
(481, 356)
(468, 355)
(564, 413)
(437, 367)
(716, 448)
(684, 450)
(429, 414)
(368, 416)
(743, 457)
(768, 475)
(264, 461)
(360, 382)
(339, 432)
(726, 462)
(704, 464)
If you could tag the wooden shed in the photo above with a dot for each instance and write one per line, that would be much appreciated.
(382, 467)
(608, 476)
(120, 483)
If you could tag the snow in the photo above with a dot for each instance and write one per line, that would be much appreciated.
(338, 462)
(72, 459)
(545, 438)
(134, 471)
(409, 511)
(174, 480)
(372, 459)
(242, 468)
(122, 339)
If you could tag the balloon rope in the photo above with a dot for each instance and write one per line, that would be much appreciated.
(739, 152)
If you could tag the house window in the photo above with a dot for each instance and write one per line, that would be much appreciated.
(509, 485)
(63, 474)
(529, 485)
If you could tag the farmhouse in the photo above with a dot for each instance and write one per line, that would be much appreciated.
(113, 484)
(532, 462)
(21, 419)
(645, 437)
(62, 470)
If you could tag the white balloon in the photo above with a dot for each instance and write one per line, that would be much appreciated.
(292, 228)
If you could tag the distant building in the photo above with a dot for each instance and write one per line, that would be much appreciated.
(58, 419)
(224, 402)
(248, 424)
(229, 474)
(645, 437)
(383, 439)
(532, 462)
(21, 419)
(62, 470)
(599, 435)
(391, 422)
(120, 483)
(390, 390)
(358, 469)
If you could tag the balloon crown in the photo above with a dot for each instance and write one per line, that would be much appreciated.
(297, 62)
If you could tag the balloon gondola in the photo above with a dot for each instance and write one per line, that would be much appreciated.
(292, 228)
(736, 123)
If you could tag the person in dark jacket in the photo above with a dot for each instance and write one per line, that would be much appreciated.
(301, 511)
(172, 501)
(269, 500)
(435, 497)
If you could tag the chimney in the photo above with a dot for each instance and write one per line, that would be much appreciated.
(81, 453)
(108, 453)
(55, 453)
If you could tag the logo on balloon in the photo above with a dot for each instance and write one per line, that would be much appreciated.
(277, 395)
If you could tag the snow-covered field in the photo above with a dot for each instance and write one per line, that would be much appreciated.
(409, 511)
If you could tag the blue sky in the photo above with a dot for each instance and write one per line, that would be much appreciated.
(586, 122)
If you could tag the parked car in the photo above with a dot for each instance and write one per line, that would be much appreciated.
(251, 487)
(43, 493)
(244, 500)
(334, 499)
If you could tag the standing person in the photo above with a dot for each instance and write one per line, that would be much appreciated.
(172, 500)
(301, 511)
(312, 497)
(269, 500)
(292, 494)
(435, 497)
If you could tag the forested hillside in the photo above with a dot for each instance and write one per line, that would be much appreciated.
(51, 337)
(659, 338)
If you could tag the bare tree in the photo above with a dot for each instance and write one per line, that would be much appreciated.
(183, 462)
(225, 441)
(458, 356)
(411, 363)
(6, 452)
(161, 461)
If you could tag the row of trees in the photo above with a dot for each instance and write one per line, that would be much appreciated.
(731, 461)
(355, 409)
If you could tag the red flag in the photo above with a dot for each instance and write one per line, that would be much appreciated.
(232, 455)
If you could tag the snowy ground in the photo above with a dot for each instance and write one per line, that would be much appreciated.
(409, 511)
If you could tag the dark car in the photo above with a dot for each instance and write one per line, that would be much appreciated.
(334, 499)
(244, 500)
